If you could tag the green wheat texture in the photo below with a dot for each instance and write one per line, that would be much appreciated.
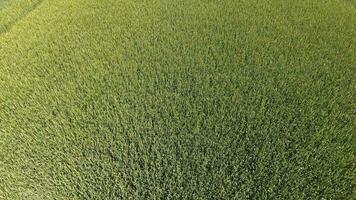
(183, 99)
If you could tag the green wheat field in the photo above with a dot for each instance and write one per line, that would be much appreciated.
(178, 99)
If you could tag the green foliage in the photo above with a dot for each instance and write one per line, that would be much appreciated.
(15, 11)
(184, 99)
(6, 3)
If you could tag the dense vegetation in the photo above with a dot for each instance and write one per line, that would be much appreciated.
(184, 99)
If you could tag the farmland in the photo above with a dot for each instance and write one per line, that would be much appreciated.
(184, 99)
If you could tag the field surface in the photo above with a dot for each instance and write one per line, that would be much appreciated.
(4, 3)
(183, 99)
